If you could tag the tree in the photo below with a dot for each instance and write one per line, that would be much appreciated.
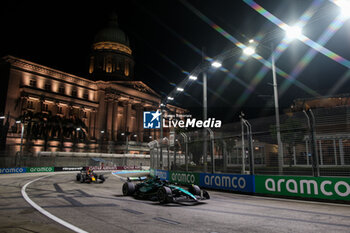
(45, 126)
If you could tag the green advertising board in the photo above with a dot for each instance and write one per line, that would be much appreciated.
(186, 178)
(40, 169)
(310, 187)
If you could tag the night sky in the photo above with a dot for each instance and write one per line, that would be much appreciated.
(167, 38)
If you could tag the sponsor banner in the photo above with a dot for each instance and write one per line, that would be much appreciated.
(162, 174)
(241, 183)
(65, 169)
(309, 187)
(100, 168)
(13, 170)
(186, 178)
(40, 169)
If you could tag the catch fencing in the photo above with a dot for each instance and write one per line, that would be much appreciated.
(313, 143)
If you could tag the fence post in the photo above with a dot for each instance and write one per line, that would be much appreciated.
(311, 124)
(186, 150)
(224, 150)
(243, 146)
(250, 145)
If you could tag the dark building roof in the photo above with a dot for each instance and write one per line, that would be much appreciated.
(112, 33)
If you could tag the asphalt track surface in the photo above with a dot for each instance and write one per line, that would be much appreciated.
(103, 208)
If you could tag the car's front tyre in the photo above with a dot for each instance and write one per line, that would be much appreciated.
(195, 190)
(128, 188)
(165, 195)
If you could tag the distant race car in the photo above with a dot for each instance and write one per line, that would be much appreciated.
(89, 176)
(156, 189)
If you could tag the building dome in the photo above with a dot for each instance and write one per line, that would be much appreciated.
(112, 33)
(111, 58)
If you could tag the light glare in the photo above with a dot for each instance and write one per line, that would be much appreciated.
(249, 51)
(216, 64)
(179, 89)
(344, 7)
(293, 32)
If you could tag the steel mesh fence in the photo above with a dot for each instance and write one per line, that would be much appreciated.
(314, 143)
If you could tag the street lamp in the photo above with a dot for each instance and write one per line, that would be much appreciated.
(193, 77)
(170, 98)
(180, 89)
(21, 146)
(126, 134)
(292, 33)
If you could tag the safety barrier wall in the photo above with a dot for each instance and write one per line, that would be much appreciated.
(59, 169)
(240, 183)
(330, 188)
(325, 188)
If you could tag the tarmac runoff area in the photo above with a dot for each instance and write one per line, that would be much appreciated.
(103, 208)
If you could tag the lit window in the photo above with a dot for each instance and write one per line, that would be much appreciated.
(126, 71)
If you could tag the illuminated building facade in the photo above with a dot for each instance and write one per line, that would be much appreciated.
(64, 112)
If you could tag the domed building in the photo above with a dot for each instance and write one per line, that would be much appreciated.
(102, 112)
(111, 58)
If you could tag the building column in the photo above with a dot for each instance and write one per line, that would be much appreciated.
(101, 114)
(139, 122)
(109, 129)
(94, 123)
(115, 120)
(125, 117)
(128, 117)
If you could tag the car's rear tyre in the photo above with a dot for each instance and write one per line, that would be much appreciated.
(165, 195)
(195, 190)
(102, 178)
(82, 178)
(78, 177)
(128, 188)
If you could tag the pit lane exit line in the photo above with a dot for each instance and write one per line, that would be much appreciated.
(46, 213)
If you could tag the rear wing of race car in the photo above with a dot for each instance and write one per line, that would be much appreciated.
(140, 178)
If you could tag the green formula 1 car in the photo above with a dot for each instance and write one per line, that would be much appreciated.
(156, 189)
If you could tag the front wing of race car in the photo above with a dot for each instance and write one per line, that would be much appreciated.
(182, 195)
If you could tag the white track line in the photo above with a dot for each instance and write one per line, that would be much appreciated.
(46, 213)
